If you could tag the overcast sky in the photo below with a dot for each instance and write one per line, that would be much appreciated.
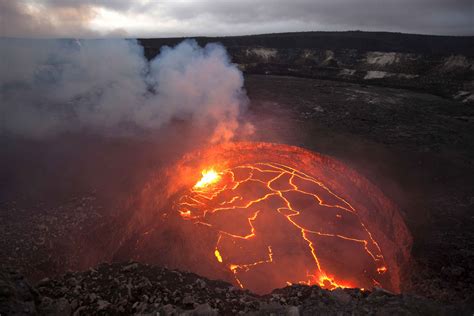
(166, 18)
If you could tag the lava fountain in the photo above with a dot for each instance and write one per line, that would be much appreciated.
(266, 215)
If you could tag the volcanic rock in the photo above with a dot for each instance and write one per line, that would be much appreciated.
(391, 59)
(174, 292)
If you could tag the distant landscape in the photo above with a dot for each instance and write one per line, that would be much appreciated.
(442, 65)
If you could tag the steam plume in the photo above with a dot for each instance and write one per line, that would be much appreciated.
(50, 87)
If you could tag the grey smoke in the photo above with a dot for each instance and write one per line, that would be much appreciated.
(49, 87)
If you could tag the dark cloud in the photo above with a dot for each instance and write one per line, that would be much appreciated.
(416, 16)
(206, 17)
(118, 5)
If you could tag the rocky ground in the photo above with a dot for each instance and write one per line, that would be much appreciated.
(417, 147)
(45, 240)
(136, 289)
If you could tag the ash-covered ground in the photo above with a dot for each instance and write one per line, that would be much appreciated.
(418, 148)
(62, 204)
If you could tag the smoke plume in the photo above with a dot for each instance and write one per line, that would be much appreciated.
(49, 87)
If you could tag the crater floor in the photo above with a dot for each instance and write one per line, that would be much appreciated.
(418, 148)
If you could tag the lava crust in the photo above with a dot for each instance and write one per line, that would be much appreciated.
(266, 215)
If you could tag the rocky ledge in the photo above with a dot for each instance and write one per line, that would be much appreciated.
(441, 65)
(134, 288)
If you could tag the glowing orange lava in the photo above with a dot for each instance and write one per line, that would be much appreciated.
(209, 177)
(277, 190)
(266, 215)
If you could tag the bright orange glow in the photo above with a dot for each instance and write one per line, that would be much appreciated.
(209, 177)
(264, 215)
(268, 192)
(218, 255)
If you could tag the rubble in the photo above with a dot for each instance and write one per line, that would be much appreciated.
(114, 289)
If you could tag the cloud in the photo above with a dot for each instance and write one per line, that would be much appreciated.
(49, 87)
(52, 18)
(418, 16)
(92, 18)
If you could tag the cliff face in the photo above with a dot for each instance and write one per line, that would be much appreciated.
(437, 64)
(449, 76)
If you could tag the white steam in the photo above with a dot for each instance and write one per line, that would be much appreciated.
(107, 86)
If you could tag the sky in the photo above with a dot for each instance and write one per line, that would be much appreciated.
(166, 18)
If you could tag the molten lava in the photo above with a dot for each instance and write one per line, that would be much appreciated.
(266, 215)
(209, 177)
(268, 190)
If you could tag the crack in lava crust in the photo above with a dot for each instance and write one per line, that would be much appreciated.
(274, 220)
(264, 215)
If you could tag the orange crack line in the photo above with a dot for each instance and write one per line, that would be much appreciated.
(203, 223)
(311, 179)
(266, 196)
(321, 202)
(375, 257)
(246, 267)
(252, 230)
(304, 176)
(232, 200)
(237, 183)
(364, 242)
(322, 276)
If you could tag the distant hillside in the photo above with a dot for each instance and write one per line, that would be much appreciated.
(363, 41)
(441, 65)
